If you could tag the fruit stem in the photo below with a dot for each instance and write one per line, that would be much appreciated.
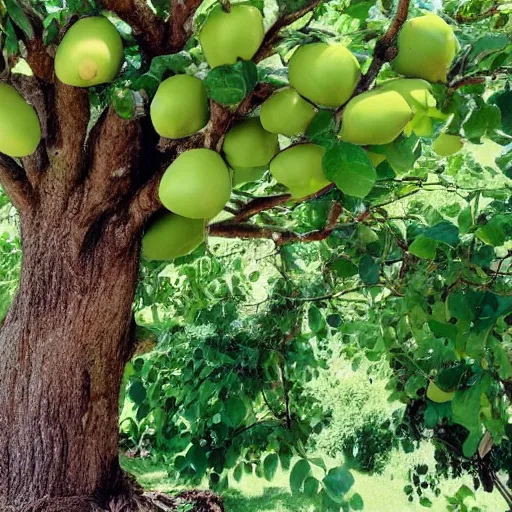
(226, 5)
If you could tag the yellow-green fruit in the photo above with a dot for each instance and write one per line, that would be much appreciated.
(436, 394)
(90, 53)
(228, 36)
(326, 74)
(180, 107)
(172, 236)
(417, 93)
(426, 48)
(287, 112)
(300, 169)
(446, 145)
(20, 131)
(375, 117)
(248, 144)
(376, 158)
(196, 185)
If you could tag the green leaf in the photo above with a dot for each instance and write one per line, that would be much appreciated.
(11, 45)
(322, 129)
(483, 121)
(18, 16)
(369, 270)
(311, 485)
(444, 232)
(425, 502)
(197, 459)
(270, 466)
(503, 100)
(235, 411)
(298, 474)
(356, 502)
(316, 320)
(414, 384)
(229, 85)
(350, 168)
(137, 392)
(502, 359)
(338, 482)
(423, 247)
(344, 268)
(492, 233)
(238, 473)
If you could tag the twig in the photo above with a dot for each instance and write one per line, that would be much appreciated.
(460, 18)
(385, 48)
(272, 36)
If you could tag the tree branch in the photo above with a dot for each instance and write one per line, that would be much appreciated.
(385, 48)
(272, 36)
(460, 18)
(15, 183)
(148, 28)
(236, 230)
(182, 14)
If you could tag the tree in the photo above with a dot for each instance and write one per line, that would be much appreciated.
(86, 193)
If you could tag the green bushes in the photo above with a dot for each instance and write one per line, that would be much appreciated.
(361, 421)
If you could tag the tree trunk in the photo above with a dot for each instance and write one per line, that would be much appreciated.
(64, 345)
(63, 349)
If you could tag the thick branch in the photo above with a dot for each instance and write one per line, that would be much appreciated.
(182, 14)
(15, 183)
(234, 230)
(272, 36)
(385, 48)
(146, 26)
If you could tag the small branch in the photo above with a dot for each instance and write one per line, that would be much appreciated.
(15, 183)
(460, 18)
(235, 230)
(385, 49)
(258, 205)
(272, 36)
(147, 27)
(469, 80)
(182, 14)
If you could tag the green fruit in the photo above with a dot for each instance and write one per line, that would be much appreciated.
(446, 145)
(90, 53)
(286, 112)
(417, 93)
(196, 185)
(376, 158)
(243, 175)
(228, 36)
(20, 131)
(172, 236)
(248, 144)
(436, 394)
(375, 117)
(180, 107)
(326, 74)
(426, 48)
(300, 169)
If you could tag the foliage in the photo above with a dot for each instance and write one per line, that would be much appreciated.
(420, 283)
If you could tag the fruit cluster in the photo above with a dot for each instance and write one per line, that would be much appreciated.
(197, 185)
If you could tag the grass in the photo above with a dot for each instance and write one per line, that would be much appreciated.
(381, 493)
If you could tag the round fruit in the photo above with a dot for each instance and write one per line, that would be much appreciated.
(326, 74)
(243, 175)
(300, 169)
(172, 236)
(20, 131)
(375, 117)
(426, 48)
(376, 158)
(436, 394)
(446, 145)
(196, 185)
(248, 144)
(228, 36)
(417, 93)
(287, 112)
(180, 107)
(90, 53)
